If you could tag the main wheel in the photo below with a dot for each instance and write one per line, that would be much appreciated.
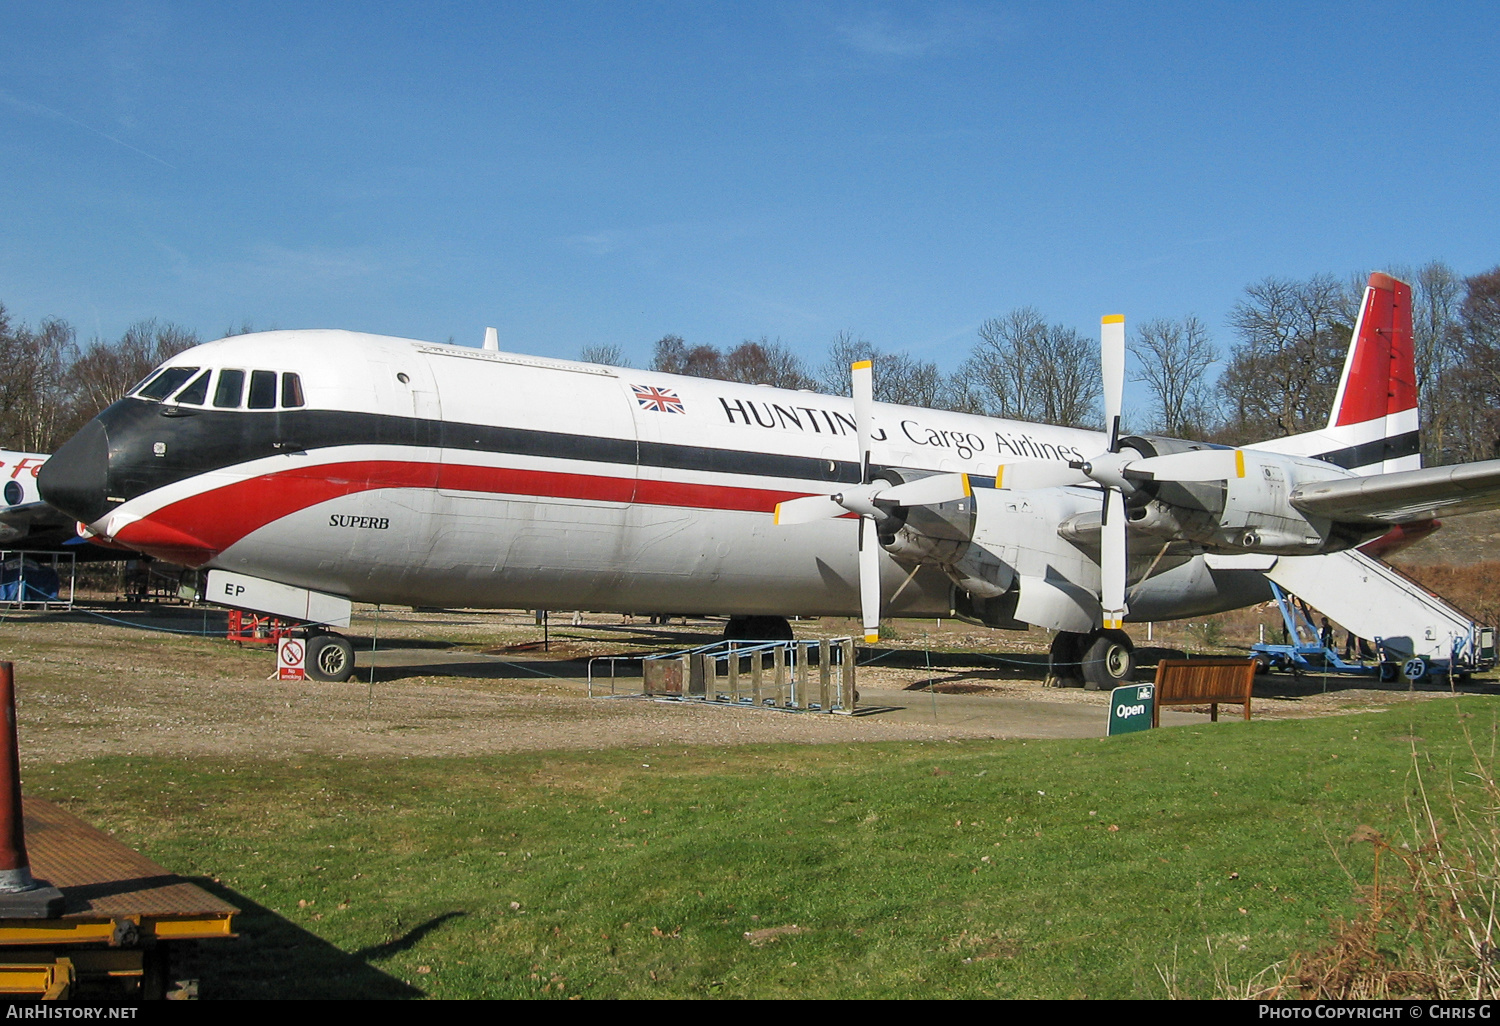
(1262, 664)
(1064, 661)
(330, 657)
(1108, 661)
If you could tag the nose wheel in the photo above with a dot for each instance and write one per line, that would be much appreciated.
(330, 658)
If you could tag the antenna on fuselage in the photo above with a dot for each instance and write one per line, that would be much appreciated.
(492, 340)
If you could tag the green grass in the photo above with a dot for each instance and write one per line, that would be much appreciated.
(974, 869)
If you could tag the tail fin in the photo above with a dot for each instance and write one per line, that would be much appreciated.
(1373, 427)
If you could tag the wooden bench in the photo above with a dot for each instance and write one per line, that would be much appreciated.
(1203, 682)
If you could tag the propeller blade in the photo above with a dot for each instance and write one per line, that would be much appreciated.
(1112, 560)
(1038, 474)
(807, 510)
(862, 377)
(929, 491)
(1195, 465)
(1112, 367)
(869, 579)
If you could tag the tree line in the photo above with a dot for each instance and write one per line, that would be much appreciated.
(1279, 375)
(50, 386)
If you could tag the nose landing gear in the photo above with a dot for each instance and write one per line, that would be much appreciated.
(330, 657)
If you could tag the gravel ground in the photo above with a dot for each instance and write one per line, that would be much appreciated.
(102, 683)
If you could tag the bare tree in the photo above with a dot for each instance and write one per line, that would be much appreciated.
(844, 351)
(1001, 368)
(1070, 386)
(898, 377)
(607, 353)
(669, 355)
(1026, 369)
(1283, 373)
(765, 363)
(107, 370)
(1175, 356)
(1475, 427)
(673, 356)
(33, 383)
(1437, 295)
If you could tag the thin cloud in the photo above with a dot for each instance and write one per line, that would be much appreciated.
(42, 110)
(282, 268)
(657, 241)
(882, 36)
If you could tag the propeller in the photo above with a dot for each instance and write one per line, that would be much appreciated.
(1117, 474)
(871, 499)
(1108, 469)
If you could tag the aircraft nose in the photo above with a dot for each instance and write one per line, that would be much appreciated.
(76, 478)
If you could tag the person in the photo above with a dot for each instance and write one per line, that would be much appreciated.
(1325, 635)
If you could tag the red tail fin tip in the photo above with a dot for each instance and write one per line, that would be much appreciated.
(1380, 376)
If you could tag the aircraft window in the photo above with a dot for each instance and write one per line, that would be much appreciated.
(195, 394)
(291, 390)
(231, 387)
(262, 390)
(167, 382)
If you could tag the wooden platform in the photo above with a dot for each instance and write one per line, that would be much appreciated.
(121, 909)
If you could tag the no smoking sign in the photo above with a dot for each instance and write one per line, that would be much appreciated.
(291, 659)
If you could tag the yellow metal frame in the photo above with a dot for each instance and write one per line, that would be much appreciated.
(94, 931)
(42, 974)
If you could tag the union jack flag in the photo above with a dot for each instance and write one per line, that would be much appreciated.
(658, 400)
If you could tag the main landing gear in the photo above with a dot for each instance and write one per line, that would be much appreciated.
(330, 657)
(1098, 661)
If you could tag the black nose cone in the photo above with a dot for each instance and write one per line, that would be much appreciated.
(76, 478)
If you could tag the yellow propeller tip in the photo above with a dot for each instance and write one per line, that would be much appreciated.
(870, 639)
(861, 365)
(1112, 319)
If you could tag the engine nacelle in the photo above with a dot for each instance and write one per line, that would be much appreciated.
(1251, 512)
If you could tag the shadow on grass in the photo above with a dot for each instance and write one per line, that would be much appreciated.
(275, 958)
(407, 940)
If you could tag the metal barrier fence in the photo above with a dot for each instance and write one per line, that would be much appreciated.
(39, 580)
(814, 675)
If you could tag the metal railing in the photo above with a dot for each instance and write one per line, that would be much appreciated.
(614, 665)
(807, 675)
(37, 579)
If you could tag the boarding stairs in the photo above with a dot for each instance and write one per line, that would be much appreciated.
(1375, 600)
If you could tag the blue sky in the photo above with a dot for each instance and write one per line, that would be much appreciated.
(578, 173)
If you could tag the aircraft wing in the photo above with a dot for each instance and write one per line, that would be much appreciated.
(1405, 496)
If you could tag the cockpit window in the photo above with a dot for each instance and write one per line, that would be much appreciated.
(291, 390)
(231, 387)
(165, 383)
(262, 390)
(195, 394)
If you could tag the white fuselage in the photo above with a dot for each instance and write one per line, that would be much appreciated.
(428, 474)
